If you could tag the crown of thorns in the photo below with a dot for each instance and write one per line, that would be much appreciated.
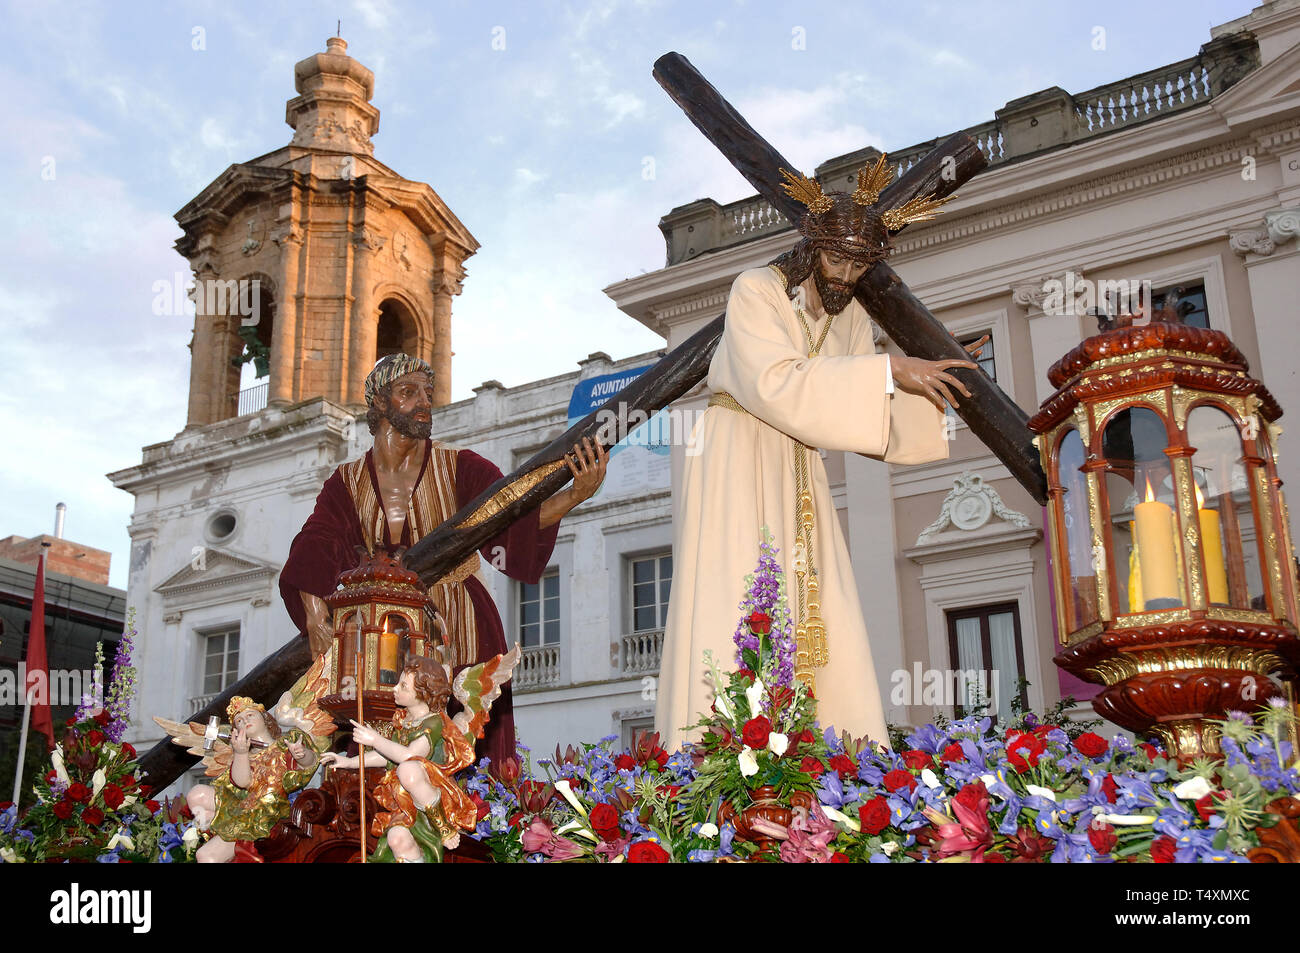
(852, 222)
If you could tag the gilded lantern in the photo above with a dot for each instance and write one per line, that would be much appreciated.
(1172, 559)
(381, 613)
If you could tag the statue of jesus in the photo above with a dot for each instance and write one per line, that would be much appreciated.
(797, 372)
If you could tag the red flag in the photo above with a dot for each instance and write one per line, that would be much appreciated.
(38, 662)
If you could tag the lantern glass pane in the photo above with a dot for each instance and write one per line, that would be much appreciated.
(1080, 568)
(1229, 544)
(1142, 513)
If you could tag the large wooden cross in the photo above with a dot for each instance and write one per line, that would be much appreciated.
(992, 416)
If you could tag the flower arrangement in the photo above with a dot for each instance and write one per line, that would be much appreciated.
(766, 783)
(89, 806)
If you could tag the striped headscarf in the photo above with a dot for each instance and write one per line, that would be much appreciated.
(388, 369)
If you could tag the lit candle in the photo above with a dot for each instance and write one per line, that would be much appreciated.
(1216, 573)
(1156, 553)
(388, 654)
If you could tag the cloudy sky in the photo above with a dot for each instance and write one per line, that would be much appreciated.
(113, 119)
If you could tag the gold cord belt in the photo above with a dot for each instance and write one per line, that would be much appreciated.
(811, 650)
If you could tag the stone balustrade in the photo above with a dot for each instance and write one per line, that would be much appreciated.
(1048, 119)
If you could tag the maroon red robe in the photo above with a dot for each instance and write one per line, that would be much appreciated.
(327, 546)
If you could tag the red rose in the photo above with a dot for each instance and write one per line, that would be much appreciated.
(604, 821)
(481, 807)
(917, 760)
(625, 762)
(1151, 752)
(93, 816)
(1205, 805)
(519, 820)
(5, 805)
(974, 797)
(874, 815)
(839, 858)
(647, 852)
(50, 775)
(660, 757)
(1091, 745)
(1109, 788)
(152, 806)
(70, 722)
(1102, 837)
(760, 623)
(756, 732)
(113, 797)
(813, 766)
(843, 765)
(806, 737)
(95, 738)
(102, 718)
(128, 750)
(1023, 751)
(745, 673)
(898, 779)
(1163, 850)
(145, 790)
(127, 782)
(1042, 731)
(953, 752)
(63, 810)
(78, 792)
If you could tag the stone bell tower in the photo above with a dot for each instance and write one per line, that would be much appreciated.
(315, 259)
(320, 255)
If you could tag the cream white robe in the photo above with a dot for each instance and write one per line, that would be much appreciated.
(742, 479)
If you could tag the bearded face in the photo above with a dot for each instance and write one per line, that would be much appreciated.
(416, 425)
(836, 274)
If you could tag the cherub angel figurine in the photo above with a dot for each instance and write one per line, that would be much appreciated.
(269, 754)
(423, 809)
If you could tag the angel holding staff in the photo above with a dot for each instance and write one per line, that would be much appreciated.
(423, 808)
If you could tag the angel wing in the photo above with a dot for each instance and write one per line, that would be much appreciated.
(478, 687)
(297, 707)
(190, 736)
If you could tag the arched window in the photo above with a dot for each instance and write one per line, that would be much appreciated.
(397, 329)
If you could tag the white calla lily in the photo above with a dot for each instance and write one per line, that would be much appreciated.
(97, 782)
(720, 703)
(577, 826)
(929, 779)
(842, 818)
(562, 786)
(8, 856)
(1127, 820)
(988, 780)
(60, 771)
(708, 830)
(1193, 789)
(1041, 792)
(191, 837)
(754, 695)
(121, 837)
(777, 743)
(889, 848)
(748, 762)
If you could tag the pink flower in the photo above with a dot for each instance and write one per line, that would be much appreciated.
(809, 838)
(538, 837)
(970, 835)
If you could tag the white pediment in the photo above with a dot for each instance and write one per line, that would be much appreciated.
(215, 570)
(1262, 93)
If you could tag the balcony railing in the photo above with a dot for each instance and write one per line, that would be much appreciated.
(539, 668)
(1048, 119)
(200, 702)
(252, 399)
(642, 652)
